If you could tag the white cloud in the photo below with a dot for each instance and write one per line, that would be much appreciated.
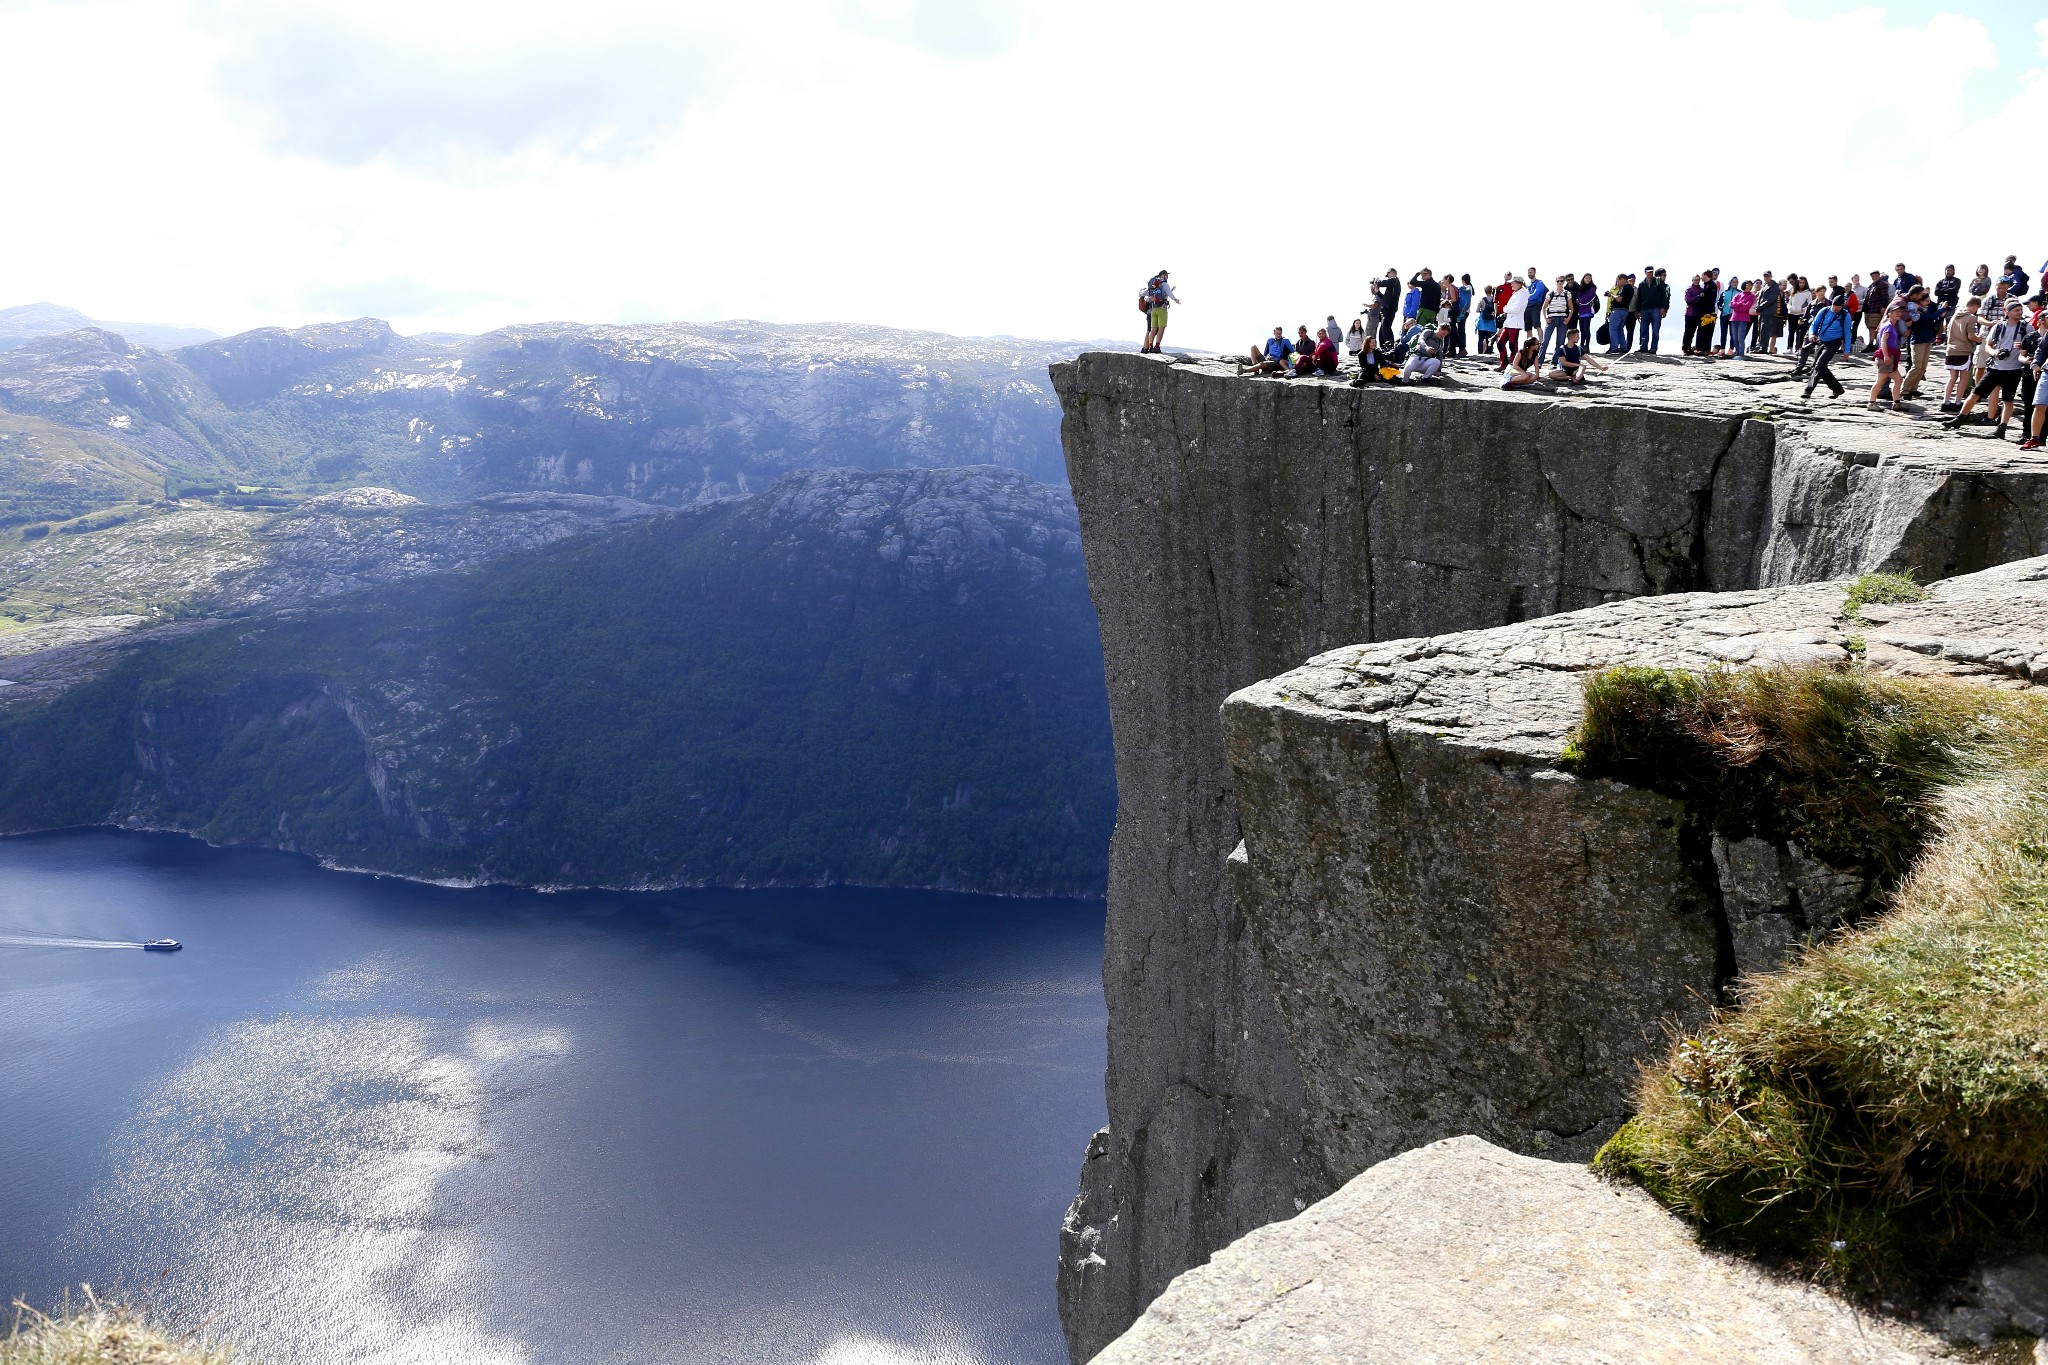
(974, 167)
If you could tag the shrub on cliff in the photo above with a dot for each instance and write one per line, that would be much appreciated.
(100, 1334)
(1878, 1110)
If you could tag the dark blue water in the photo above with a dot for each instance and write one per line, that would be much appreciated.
(360, 1120)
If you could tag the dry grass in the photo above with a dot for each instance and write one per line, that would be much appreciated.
(1846, 763)
(101, 1334)
(1878, 1110)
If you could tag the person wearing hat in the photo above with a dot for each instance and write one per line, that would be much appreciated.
(2005, 342)
(1160, 296)
(1888, 349)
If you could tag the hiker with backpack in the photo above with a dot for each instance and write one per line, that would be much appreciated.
(2007, 343)
(1157, 297)
(1963, 332)
(1487, 315)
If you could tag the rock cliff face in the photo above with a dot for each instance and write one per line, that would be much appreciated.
(1234, 528)
(1460, 937)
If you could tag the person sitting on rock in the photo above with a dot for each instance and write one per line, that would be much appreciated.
(1523, 369)
(1571, 361)
(1320, 358)
(1426, 361)
(1271, 358)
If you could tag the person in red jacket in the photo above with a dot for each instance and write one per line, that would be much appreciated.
(1320, 359)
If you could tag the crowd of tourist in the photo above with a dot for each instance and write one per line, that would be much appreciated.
(1990, 329)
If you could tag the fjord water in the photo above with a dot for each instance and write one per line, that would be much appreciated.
(363, 1120)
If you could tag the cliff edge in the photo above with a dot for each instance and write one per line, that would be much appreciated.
(1234, 528)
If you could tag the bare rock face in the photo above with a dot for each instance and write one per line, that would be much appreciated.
(1460, 937)
(1235, 527)
(1461, 1252)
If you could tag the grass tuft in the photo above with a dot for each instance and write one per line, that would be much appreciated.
(100, 1334)
(1876, 1112)
(1874, 588)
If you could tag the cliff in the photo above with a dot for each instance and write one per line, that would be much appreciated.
(1436, 978)
(1234, 528)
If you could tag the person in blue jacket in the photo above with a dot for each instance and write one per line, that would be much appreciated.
(1831, 332)
(1532, 319)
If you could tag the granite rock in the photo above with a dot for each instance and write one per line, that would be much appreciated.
(1234, 527)
(1459, 1252)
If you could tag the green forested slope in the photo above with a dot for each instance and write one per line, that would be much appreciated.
(889, 678)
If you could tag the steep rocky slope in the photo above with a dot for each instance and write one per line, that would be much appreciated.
(659, 413)
(1237, 527)
(882, 678)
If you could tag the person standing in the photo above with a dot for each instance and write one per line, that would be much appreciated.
(1532, 316)
(1830, 335)
(1159, 295)
(1741, 313)
(1621, 300)
(1923, 334)
(1586, 305)
(2006, 342)
(1387, 301)
(1888, 349)
(1770, 314)
(1560, 307)
(1486, 319)
(1429, 298)
(1877, 301)
(1980, 283)
(1513, 315)
(1947, 290)
(1692, 316)
(1653, 301)
(2038, 365)
(1798, 303)
(1465, 294)
(1962, 348)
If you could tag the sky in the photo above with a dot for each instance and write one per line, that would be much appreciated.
(985, 167)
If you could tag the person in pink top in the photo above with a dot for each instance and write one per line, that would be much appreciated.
(1741, 309)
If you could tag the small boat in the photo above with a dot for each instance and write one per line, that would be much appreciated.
(162, 945)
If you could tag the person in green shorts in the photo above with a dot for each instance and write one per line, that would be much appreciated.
(1159, 297)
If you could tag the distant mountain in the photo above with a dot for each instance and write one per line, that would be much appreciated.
(31, 320)
(671, 414)
(885, 678)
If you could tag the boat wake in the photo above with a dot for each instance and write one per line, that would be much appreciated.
(34, 938)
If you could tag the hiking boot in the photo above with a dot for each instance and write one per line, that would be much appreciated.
(2000, 433)
(2031, 443)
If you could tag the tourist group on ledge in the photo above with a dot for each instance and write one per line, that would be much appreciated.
(1992, 334)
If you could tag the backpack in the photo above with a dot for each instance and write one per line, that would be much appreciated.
(1148, 300)
(1485, 305)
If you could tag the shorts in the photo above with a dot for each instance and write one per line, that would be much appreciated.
(1959, 362)
(1427, 317)
(1156, 319)
(2007, 382)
